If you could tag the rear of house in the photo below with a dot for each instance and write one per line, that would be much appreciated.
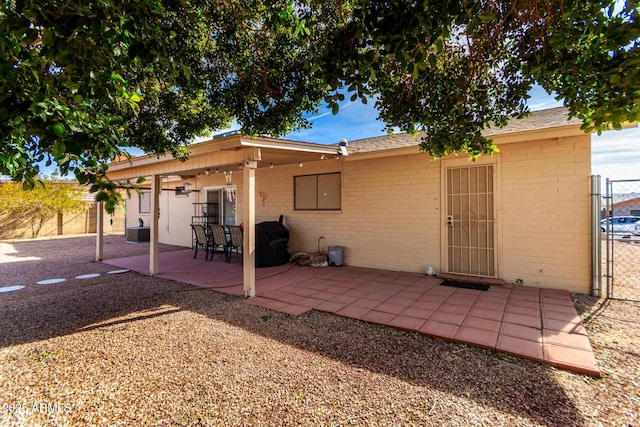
(521, 215)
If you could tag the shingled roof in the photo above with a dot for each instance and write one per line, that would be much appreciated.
(538, 120)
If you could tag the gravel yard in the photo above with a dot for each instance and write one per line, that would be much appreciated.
(126, 349)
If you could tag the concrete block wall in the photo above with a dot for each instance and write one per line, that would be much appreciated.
(545, 213)
(391, 212)
(389, 218)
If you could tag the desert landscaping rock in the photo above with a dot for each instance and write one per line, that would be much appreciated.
(139, 350)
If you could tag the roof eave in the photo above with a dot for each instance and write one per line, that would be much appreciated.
(228, 143)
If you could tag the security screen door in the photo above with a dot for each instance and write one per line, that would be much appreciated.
(470, 220)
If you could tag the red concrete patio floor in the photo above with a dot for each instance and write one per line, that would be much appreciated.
(532, 323)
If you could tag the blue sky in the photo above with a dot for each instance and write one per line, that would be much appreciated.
(615, 154)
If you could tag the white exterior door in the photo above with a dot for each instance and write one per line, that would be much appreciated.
(470, 220)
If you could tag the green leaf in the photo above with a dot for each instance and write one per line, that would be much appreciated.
(59, 148)
(487, 16)
(59, 130)
(133, 96)
(185, 70)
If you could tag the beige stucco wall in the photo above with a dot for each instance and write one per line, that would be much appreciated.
(391, 214)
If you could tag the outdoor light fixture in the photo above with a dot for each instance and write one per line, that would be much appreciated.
(207, 172)
(216, 171)
(300, 164)
(323, 157)
(239, 165)
(183, 190)
(271, 165)
(342, 145)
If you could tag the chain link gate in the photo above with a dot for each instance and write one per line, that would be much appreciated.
(621, 239)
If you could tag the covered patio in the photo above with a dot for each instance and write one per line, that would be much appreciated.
(528, 322)
(232, 152)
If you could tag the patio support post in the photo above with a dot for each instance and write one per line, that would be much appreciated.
(99, 230)
(249, 243)
(153, 227)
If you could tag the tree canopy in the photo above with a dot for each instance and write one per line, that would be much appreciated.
(81, 81)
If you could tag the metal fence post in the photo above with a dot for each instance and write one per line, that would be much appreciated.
(596, 239)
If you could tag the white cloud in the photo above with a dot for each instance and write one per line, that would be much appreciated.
(616, 154)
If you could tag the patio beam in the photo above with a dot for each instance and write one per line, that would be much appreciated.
(147, 167)
(249, 243)
(156, 184)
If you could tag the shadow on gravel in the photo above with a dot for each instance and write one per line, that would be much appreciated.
(43, 312)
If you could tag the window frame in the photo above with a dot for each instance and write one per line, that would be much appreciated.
(144, 198)
(315, 189)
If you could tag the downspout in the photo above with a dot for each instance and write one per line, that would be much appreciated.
(596, 239)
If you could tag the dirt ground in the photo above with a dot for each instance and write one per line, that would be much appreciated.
(127, 349)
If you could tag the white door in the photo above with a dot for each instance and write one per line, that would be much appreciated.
(470, 220)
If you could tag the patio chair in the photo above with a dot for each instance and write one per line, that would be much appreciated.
(202, 241)
(235, 241)
(219, 239)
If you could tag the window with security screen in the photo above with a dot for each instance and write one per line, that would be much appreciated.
(317, 192)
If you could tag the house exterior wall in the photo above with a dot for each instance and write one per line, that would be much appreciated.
(391, 211)
(176, 211)
(391, 214)
(389, 217)
(628, 207)
(545, 213)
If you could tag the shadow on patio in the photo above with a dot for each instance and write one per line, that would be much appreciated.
(532, 323)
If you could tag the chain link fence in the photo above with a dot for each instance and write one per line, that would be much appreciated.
(620, 227)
